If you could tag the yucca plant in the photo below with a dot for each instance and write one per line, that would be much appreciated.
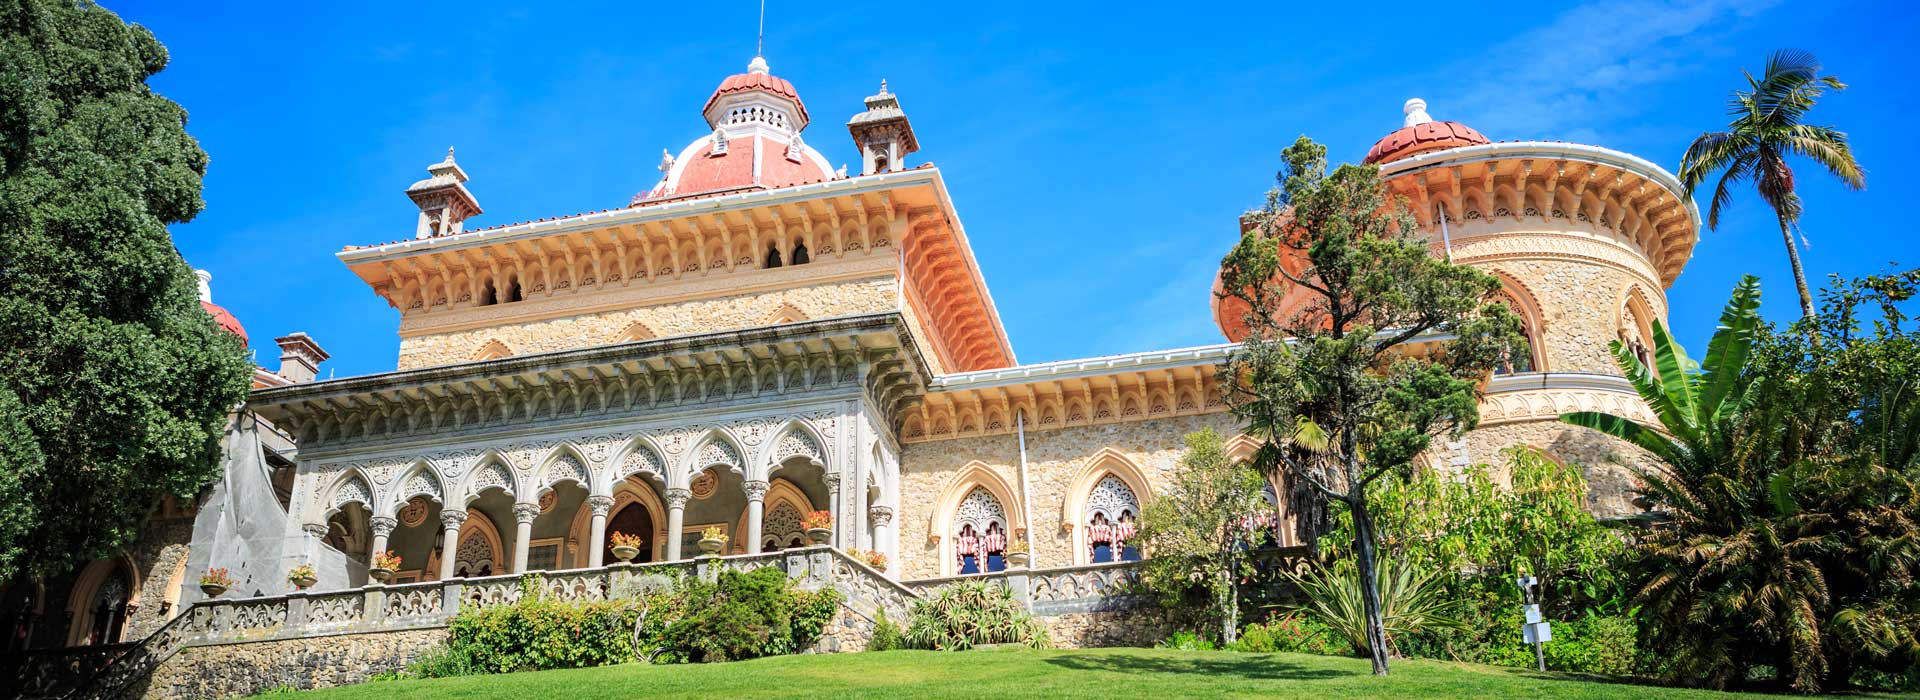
(1411, 600)
(960, 615)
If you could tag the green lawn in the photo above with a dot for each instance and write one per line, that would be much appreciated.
(1013, 674)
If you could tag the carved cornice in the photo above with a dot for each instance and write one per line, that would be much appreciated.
(1544, 396)
(870, 353)
(1118, 389)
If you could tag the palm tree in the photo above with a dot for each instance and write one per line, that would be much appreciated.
(1766, 128)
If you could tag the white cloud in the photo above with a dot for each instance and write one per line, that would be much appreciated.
(1585, 70)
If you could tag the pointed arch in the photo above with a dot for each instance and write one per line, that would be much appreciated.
(715, 448)
(565, 463)
(635, 331)
(1516, 295)
(946, 512)
(419, 479)
(1242, 448)
(1092, 479)
(492, 350)
(638, 456)
(93, 587)
(785, 504)
(492, 471)
(480, 547)
(795, 439)
(1635, 325)
(786, 313)
(351, 486)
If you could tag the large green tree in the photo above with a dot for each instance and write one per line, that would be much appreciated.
(1361, 346)
(1790, 546)
(1767, 127)
(1202, 530)
(109, 369)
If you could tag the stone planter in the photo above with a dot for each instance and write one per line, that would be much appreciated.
(625, 554)
(712, 547)
(379, 574)
(213, 590)
(303, 582)
(1018, 559)
(819, 535)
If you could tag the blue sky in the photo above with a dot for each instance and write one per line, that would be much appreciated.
(1098, 153)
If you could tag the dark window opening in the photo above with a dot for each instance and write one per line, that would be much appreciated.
(513, 290)
(800, 254)
(773, 256)
(487, 296)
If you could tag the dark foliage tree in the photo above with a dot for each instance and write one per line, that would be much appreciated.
(1362, 346)
(108, 365)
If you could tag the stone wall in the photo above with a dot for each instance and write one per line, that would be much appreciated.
(1603, 459)
(426, 348)
(1140, 626)
(247, 668)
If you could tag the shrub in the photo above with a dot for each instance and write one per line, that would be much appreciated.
(1186, 641)
(960, 615)
(886, 635)
(443, 661)
(1290, 632)
(1594, 644)
(745, 616)
(536, 634)
(1411, 600)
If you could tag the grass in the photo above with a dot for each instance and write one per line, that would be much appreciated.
(1015, 674)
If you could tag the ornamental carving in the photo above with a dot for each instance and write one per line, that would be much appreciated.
(494, 475)
(782, 526)
(704, 485)
(564, 468)
(752, 431)
(414, 512)
(1111, 497)
(979, 509)
(421, 483)
(717, 452)
(641, 460)
(547, 500)
(797, 443)
(355, 490)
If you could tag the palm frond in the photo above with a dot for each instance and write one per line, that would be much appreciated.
(1727, 352)
(1828, 147)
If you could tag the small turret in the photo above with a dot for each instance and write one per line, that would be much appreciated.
(882, 134)
(445, 204)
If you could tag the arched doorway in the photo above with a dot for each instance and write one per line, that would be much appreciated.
(633, 519)
(103, 599)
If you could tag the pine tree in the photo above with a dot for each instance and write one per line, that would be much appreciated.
(109, 368)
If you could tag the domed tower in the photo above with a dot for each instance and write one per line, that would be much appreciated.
(1585, 240)
(756, 119)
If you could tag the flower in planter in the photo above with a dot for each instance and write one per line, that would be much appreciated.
(621, 539)
(817, 520)
(216, 577)
(302, 572)
(874, 558)
(714, 532)
(386, 560)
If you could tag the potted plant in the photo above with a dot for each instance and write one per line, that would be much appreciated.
(874, 558)
(625, 546)
(819, 526)
(384, 564)
(215, 582)
(1017, 553)
(303, 576)
(712, 540)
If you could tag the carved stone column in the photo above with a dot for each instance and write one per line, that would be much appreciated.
(523, 515)
(676, 519)
(382, 527)
(881, 517)
(597, 539)
(450, 522)
(833, 506)
(756, 512)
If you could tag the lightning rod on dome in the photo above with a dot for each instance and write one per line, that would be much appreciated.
(760, 43)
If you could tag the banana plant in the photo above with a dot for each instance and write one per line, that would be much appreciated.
(1693, 402)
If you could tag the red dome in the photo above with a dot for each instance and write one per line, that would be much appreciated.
(1420, 138)
(744, 82)
(226, 320)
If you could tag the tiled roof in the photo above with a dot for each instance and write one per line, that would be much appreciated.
(743, 82)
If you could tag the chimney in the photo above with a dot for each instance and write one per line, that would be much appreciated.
(300, 357)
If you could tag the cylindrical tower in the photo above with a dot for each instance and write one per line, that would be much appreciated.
(1585, 240)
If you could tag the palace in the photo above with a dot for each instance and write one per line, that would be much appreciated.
(757, 336)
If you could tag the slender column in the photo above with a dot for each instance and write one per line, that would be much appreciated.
(676, 519)
(316, 532)
(833, 506)
(756, 514)
(451, 521)
(881, 517)
(597, 544)
(523, 515)
(382, 527)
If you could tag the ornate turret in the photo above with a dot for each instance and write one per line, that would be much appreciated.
(755, 120)
(445, 204)
(882, 134)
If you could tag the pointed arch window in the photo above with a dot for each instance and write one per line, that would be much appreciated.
(1112, 522)
(980, 533)
(1518, 360)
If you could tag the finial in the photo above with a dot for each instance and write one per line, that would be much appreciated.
(666, 160)
(883, 86)
(759, 65)
(205, 283)
(449, 154)
(842, 172)
(1416, 110)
